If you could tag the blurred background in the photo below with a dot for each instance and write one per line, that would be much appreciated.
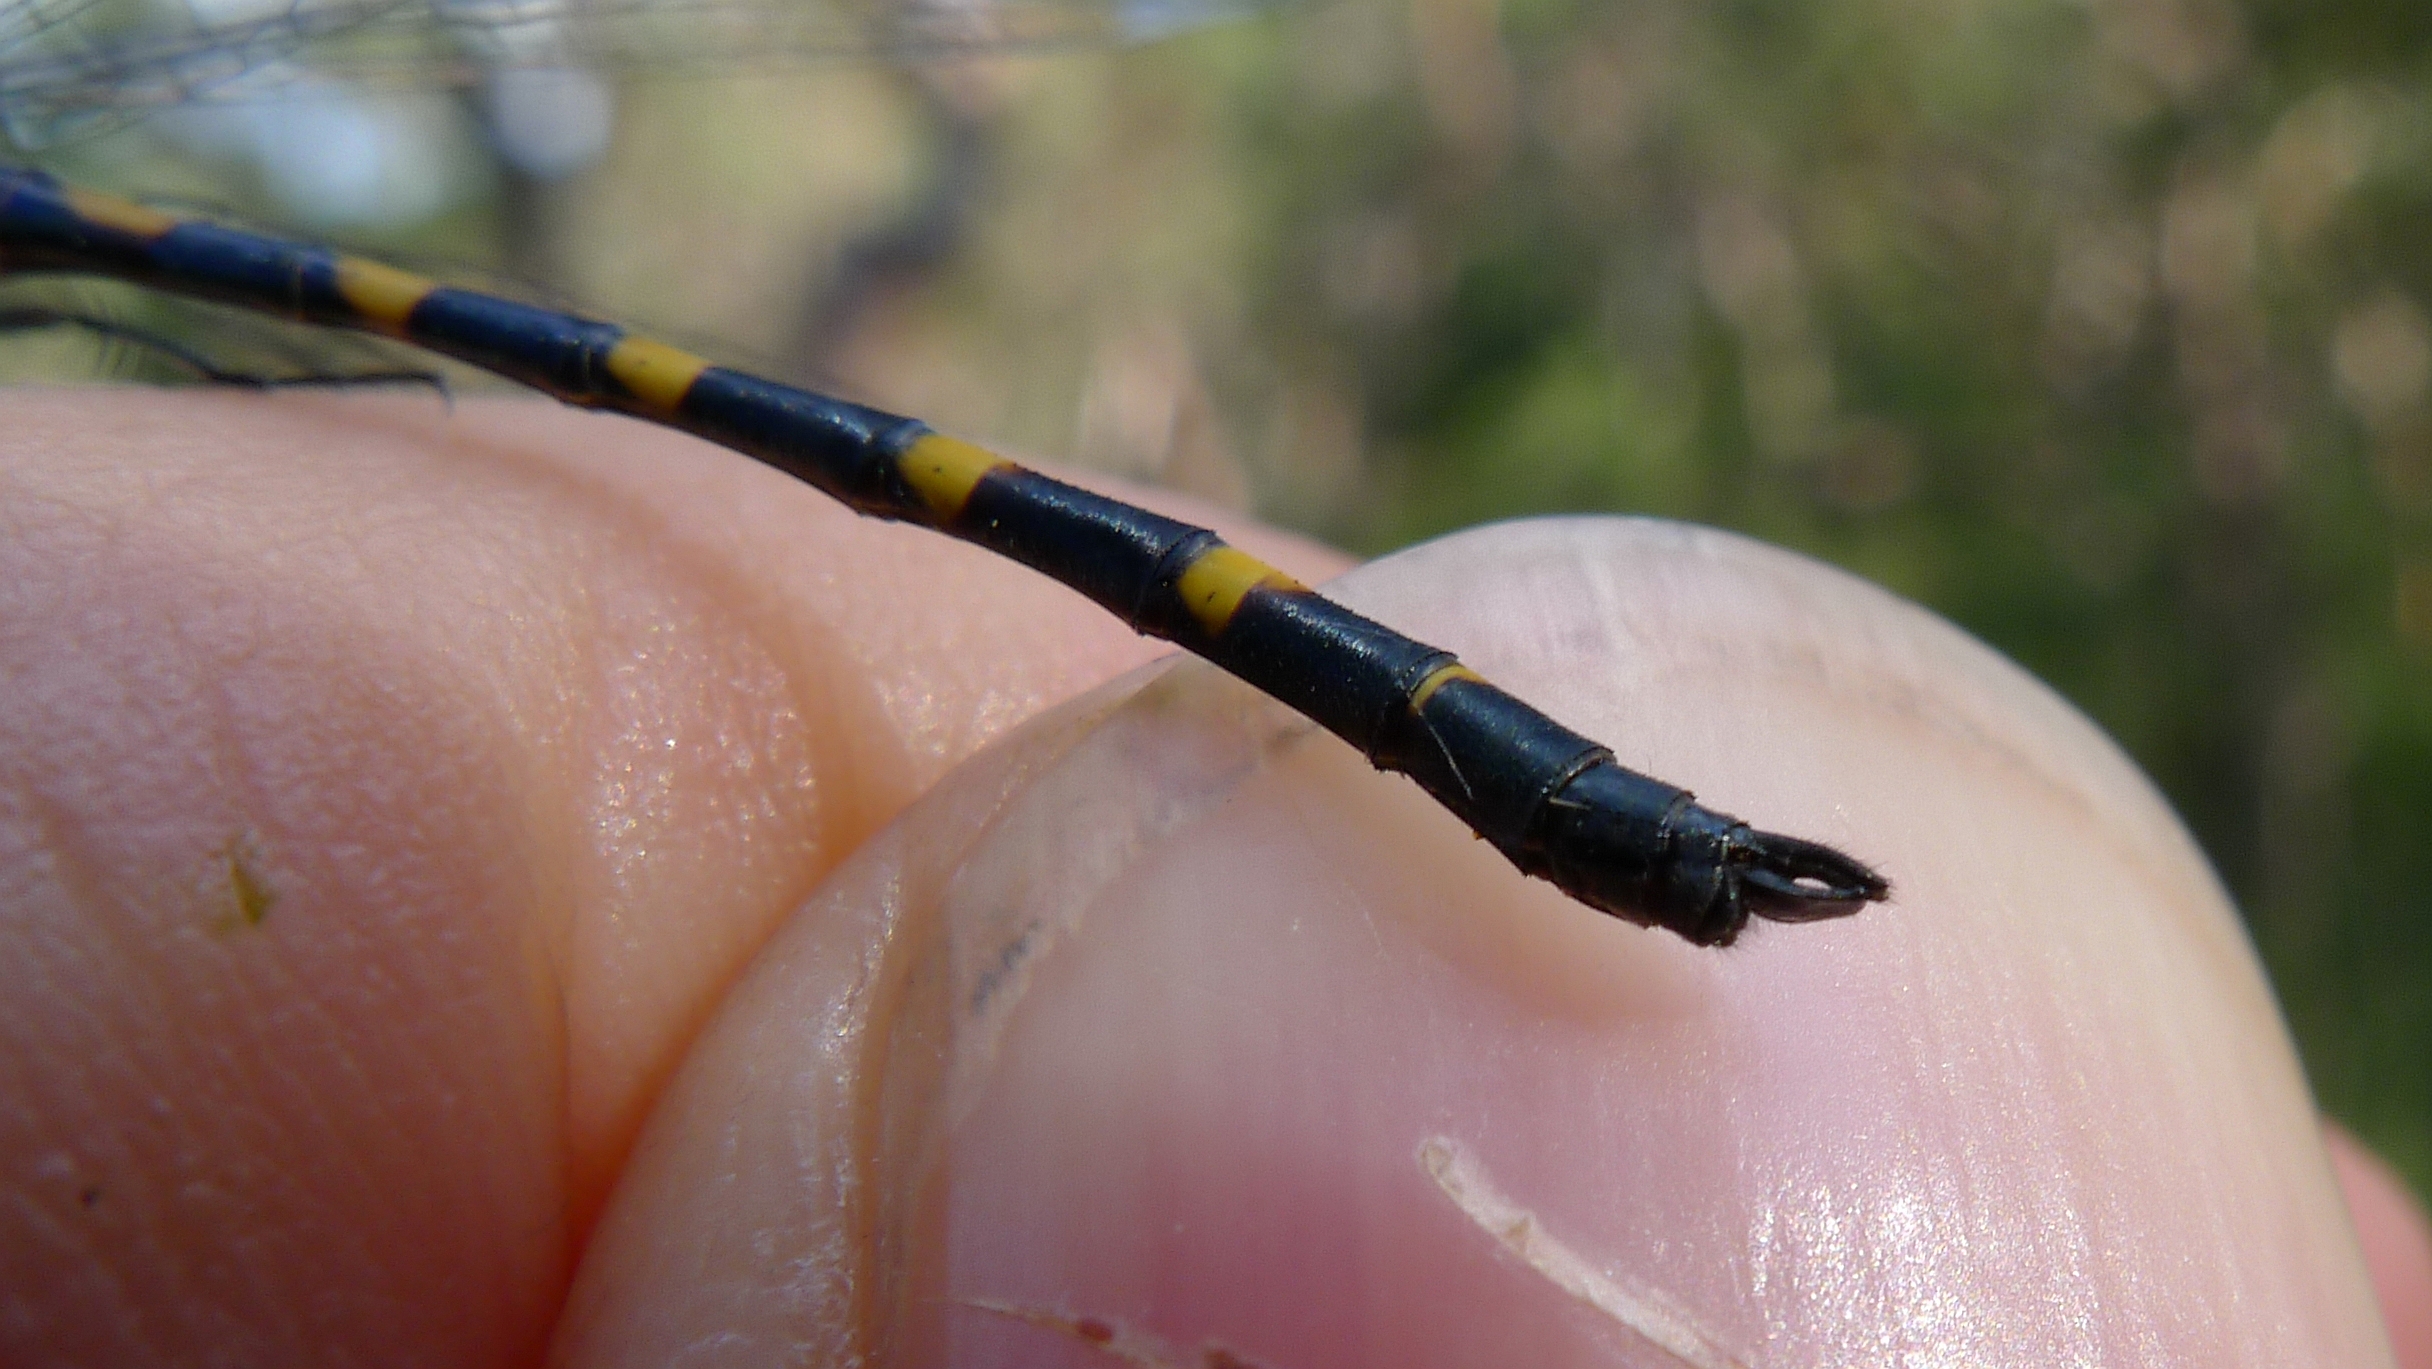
(2097, 325)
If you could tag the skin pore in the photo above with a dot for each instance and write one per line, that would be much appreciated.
(499, 884)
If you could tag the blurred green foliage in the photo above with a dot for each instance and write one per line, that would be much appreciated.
(2096, 325)
(2093, 326)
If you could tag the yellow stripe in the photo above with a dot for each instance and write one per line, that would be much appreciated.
(381, 294)
(1438, 678)
(658, 375)
(124, 216)
(1213, 586)
(944, 470)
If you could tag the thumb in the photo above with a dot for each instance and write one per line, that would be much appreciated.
(1170, 1033)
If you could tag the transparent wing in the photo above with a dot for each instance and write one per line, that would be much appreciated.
(67, 64)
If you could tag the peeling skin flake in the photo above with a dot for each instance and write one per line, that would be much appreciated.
(1132, 1347)
(1517, 1230)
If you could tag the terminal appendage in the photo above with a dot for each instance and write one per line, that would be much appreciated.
(1648, 853)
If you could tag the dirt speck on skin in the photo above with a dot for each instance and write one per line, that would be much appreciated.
(249, 893)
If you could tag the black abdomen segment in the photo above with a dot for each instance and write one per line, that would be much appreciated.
(1554, 802)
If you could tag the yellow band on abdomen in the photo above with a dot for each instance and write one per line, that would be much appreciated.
(124, 216)
(1213, 586)
(383, 295)
(657, 374)
(1438, 678)
(944, 471)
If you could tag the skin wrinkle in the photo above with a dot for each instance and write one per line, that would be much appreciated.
(1641, 1309)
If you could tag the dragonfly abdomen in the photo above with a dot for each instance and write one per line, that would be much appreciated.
(1555, 802)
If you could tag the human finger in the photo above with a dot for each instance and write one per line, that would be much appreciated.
(2397, 1244)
